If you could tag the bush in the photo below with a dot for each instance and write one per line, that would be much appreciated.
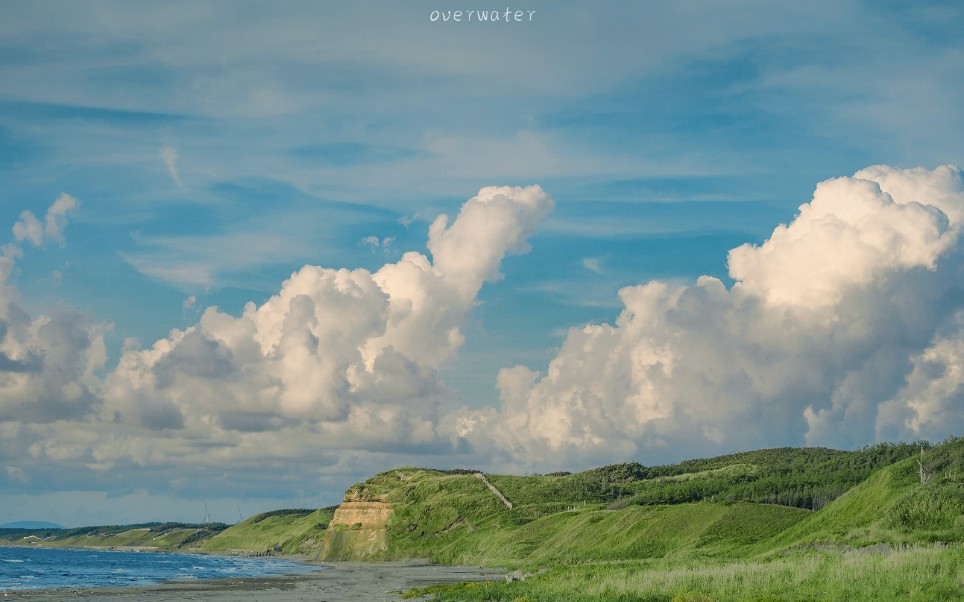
(933, 507)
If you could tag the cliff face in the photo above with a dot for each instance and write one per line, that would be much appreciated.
(369, 515)
(358, 531)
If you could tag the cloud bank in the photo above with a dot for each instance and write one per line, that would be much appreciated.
(337, 359)
(48, 364)
(846, 326)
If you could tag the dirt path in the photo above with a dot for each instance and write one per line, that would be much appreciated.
(494, 490)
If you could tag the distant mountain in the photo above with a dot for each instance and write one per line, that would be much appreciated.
(30, 524)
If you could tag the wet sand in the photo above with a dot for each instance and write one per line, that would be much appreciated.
(336, 582)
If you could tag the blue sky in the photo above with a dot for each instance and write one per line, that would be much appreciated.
(217, 148)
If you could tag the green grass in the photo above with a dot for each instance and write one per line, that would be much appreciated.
(160, 536)
(523, 537)
(717, 548)
(279, 532)
(893, 506)
(926, 574)
(297, 532)
(804, 478)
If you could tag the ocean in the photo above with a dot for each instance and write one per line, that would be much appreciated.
(41, 568)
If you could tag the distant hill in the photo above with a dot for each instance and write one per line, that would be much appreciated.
(30, 524)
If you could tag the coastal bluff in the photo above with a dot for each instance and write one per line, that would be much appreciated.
(358, 530)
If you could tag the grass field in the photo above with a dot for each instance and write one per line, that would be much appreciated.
(297, 532)
(920, 574)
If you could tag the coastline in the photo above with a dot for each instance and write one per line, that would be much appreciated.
(333, 582)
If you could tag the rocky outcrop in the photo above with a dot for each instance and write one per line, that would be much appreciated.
(365, 514)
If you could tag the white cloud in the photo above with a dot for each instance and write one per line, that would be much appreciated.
(56, 219)
(408, 220)
(592, 264)
(335, 373)
(48, 364)
(932, 400)
(855, 231)
(29, 228)
(375, 244)
(169, 156)
(842, 328)
(352, 354)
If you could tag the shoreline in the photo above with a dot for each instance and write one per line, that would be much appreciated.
(332, 582)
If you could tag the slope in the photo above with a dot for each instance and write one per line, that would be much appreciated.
(278, 532)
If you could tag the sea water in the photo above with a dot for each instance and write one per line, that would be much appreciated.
(44, 568)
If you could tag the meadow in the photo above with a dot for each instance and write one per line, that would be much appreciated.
(924, 574)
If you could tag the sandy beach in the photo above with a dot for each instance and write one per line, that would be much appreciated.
(335, 582)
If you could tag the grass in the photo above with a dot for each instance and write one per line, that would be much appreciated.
(925, 574)
(893, 506)
(592, 534)
(709, 549)
(280, 532)
(804, 478)
(161, 536)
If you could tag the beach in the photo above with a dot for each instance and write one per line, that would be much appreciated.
(336, 582)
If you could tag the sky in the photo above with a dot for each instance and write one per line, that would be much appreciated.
(251, 254)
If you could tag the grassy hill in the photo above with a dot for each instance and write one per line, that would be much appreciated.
(894, 506)
(292, 532)
(881, 523)
(280, 532)
(146, 536)
(741, 504)
(783, 524)
(803, 478)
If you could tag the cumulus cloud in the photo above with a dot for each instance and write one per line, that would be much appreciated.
(338, 360)
(355, 354)
(842, 328)
(29, 228)
(48, 364)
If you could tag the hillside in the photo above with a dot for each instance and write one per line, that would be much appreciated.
(292, 532)
(762, 518)
(297, 532)
(146, 536)
(731, 505)
(778, 523)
